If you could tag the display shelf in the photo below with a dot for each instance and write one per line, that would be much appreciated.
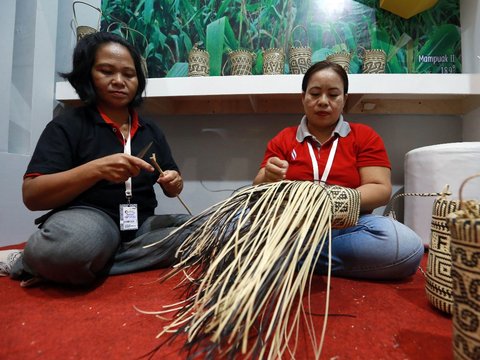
(262, 94)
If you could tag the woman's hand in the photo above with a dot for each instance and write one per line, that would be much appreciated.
(49, 191)
(119, 167)
(171, 183)
(275, 170)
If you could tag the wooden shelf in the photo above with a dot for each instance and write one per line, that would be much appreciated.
(449, 94)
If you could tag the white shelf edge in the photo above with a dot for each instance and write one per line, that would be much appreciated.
(381, 84)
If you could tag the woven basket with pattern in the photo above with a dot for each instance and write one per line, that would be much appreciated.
(341, 58)
(241, 62)
(198, 62)
(273, 61)
(438, 286)
(464, 226)
(299, 57)
(374, 61)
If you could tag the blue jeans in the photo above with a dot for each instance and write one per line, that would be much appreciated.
(378, 247)
(81, 244)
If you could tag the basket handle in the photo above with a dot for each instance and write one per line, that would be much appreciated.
(127, 29)
(389, 207)
(467, 205)
(293, 31)
(224, 65)
(85, 3)
(197, 45)
(361, 52)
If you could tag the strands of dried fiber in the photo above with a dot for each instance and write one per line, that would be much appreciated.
(249, 264)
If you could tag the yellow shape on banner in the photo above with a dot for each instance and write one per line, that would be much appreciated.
(407, 8)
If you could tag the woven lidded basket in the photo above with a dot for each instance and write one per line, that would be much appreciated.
(464, 226)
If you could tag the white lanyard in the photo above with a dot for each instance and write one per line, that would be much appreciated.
(328, 166)
(128, 150)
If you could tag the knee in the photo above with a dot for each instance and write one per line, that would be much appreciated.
(381, 248)
(406, 240)
(72, 247)
(410, 250)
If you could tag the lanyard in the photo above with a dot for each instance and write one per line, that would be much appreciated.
(128, 150)
(328, 166)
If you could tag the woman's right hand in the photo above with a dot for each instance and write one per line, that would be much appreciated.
(119, 167)
(275, 170)
(49, 191)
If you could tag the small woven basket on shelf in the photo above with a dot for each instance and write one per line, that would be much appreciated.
(83, 30)
(374, 61)
(198, 62)
(464, 226)
(299, 57)
(273, 61)
(241, 62)
(341, 58)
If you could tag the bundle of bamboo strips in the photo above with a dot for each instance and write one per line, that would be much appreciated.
(248, 267)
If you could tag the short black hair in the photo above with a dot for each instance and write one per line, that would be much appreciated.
(325, 65)
(84, 58)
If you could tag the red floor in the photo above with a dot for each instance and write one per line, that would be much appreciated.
(367, 320)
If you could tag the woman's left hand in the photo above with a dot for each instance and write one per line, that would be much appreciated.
(171, 183)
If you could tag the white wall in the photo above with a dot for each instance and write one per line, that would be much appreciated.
(221, 153)
(29, 88)
(7, 21)
(217, 153)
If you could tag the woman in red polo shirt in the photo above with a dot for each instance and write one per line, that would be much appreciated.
(327, 149)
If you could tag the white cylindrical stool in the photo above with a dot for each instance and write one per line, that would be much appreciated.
(428, 169)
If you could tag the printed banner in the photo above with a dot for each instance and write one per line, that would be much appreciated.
(238, 35)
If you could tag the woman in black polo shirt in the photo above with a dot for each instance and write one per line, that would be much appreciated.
(86, 169)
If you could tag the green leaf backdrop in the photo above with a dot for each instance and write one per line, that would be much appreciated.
(166, 30)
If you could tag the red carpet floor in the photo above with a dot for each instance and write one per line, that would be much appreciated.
(368, 320)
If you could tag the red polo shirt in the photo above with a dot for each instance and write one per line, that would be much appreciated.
(358, 146)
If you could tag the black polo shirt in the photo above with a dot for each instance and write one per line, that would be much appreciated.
(81, 135)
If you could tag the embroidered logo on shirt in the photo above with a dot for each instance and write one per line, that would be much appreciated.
(293, 154)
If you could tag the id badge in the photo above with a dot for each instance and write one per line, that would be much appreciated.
(128, 217)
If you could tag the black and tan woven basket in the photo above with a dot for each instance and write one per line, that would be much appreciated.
(241, 62)
(273, 61)
(341, 58)
(438, 286)
(374, 61)
(438, 282)
(198, 62)
(345, 206)
(464, 226)
(299, 55)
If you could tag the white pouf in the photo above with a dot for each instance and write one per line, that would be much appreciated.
(429, 169)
